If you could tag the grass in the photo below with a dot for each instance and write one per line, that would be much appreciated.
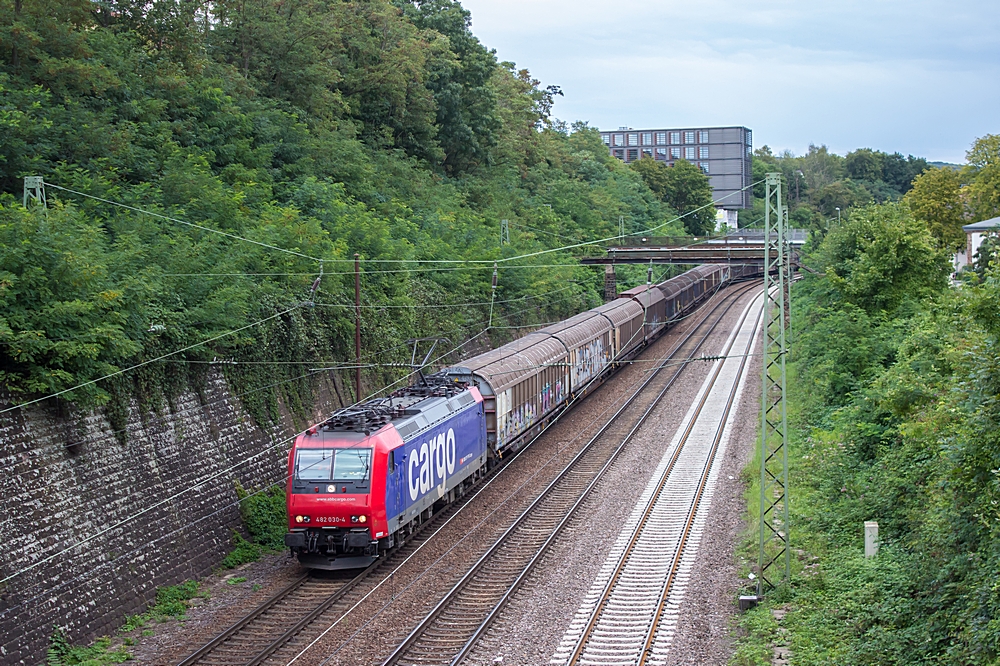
(62, 653)
(244, 552)
(171, 602)
(830, 585)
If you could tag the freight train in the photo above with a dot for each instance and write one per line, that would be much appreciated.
(368, 476)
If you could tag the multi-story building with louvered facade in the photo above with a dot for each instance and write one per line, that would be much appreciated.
(724, 153)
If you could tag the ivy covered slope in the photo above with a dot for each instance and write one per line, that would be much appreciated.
(895, 403)
(322, 128)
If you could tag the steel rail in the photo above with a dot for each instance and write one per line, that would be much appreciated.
(222, 637)
(294, 627)
(551, 490)
(668, 584)
(470, 644)
(654, 500)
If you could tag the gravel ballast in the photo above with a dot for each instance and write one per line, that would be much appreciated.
(530, 628)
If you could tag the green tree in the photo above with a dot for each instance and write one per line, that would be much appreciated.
(864, 164)
(821, 167)
(936, 200)
(899, 172)
(655, 174)
(984, 167)
(322, 128)
(64, 320)
(467, 117)
(841, 194)
(881, 256)
(987, 257)
(683, 187)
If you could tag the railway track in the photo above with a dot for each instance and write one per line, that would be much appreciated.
(451, 629)
(281, 618)
(630, 613)
(279, 629)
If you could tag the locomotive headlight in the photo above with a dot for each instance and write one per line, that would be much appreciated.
(298, 519)
(302, 519)
(362, 519)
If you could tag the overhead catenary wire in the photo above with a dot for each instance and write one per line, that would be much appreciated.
(240, 238)
(194, 225)
(152, 360)
(200, 483)
(180, 221)
(468, 534)
(443, 305)
(82, 385)
(265, 488)
(211, 477)
(425, 261)
(311, 372)
(441, 269)
(90, 572)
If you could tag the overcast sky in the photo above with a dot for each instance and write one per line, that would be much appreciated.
(914, 76)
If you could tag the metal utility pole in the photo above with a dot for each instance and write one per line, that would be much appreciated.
(504, 232)
(621, 228)
(34, 190)
(357, 327)
(610, 283)
(774, 557)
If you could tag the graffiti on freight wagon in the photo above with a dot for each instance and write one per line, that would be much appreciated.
(552, 395)
(515, 420)
(518, 420)
(590, 360)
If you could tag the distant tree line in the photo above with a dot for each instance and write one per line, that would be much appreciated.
(943, 197)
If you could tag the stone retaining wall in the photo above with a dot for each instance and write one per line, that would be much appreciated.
(67, 483)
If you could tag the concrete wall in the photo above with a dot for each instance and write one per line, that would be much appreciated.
(66, 478)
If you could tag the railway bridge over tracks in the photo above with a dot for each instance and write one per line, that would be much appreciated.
(739, 246)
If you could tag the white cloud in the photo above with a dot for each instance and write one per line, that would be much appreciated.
(919, 76)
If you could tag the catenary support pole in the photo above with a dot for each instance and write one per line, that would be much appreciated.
(357, 327)
(774, 555)
(34, 191)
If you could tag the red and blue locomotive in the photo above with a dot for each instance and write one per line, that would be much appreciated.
(371, 473)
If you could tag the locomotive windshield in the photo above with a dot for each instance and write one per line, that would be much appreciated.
(333, 464)
(352, 464)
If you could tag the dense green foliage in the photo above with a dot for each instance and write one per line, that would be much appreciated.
(946, 199)
(63, 653)
(684, 188)
(264, 515)
(324, 128)
(819, 182)
(895, 401)
(266, 520)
